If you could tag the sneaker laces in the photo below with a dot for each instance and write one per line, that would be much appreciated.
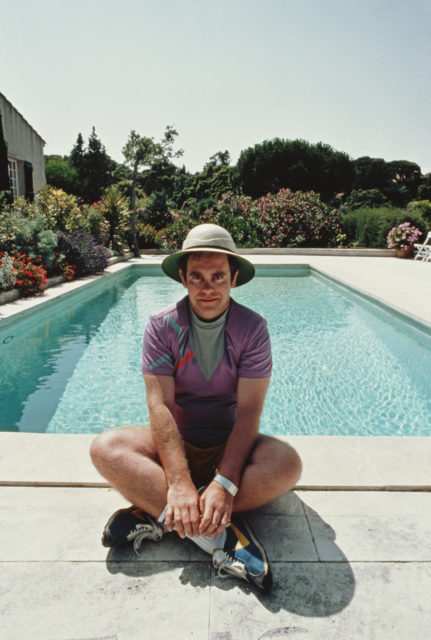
(227, 565)
(144, 531)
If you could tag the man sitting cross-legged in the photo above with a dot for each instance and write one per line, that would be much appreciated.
(201, 462)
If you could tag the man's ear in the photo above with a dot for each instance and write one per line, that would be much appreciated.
(233, 284)
(183, 280)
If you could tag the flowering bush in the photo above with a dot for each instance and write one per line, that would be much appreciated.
(69, 271)
(7, 272)
(30, 278)
(173, 236)
(238, 214)
(81, 250)
(403, 236)
(297, 219)
(147, 235)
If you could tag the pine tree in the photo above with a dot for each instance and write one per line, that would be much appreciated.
(93, 165)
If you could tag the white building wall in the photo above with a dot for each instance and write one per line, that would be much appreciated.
(23, 144)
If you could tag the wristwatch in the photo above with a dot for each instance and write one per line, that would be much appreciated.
(227, 484)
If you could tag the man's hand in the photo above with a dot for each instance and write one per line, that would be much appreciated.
(182, 511)
(216, 508)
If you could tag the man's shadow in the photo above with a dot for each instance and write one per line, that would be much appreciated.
(311, 575)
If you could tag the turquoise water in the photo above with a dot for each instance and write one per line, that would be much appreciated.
(339, 369)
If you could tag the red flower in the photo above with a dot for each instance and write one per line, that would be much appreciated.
(19, 283)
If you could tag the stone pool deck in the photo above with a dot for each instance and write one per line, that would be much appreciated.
(350, 547)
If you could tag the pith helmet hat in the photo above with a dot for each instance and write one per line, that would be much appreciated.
(213, 239)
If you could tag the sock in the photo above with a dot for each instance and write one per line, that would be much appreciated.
(207, 543)
(161, 520)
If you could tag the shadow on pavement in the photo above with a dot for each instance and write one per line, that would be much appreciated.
(306, 587)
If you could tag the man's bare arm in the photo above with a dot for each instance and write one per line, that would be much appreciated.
(182, 499)
(216, 502)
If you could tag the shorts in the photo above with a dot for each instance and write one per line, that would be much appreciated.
(203, 463)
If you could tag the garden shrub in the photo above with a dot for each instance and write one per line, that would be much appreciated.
(20, 234)
(284, 219)
(297, 220)
(366, 198)
(81, 250)
(238, 214)
(60, 210)
(172, 237)
(7, 272)
(96, 223)
(369, 227)
(156, 212)
(148, 236)
(115, 210)
(421, 208)
(30, 277)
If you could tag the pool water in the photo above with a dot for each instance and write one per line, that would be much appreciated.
(339, 368)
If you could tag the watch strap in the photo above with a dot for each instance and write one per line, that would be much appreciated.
(227, 484)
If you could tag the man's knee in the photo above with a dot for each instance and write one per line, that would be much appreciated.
(105, 449)
(281, 458)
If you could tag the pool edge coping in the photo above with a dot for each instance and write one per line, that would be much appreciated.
(331, 463)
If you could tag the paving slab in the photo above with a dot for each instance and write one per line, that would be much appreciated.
(370, 526)
(326, 551)
(82, 601)
(328, 601)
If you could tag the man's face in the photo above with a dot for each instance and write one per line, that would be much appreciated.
(208, 282)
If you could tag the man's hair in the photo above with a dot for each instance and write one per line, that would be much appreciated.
(182, 262)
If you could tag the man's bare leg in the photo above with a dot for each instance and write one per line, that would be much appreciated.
(274, 469)
(128, 459)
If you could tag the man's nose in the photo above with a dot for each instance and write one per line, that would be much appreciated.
(207, 285)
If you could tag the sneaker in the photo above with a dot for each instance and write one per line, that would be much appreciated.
(131, 525)
(243, 556)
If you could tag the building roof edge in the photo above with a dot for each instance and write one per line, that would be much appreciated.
(21, 116)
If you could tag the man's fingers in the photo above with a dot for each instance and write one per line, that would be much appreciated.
(206, 521)
(179, 527)
(169, 519)
(194, 521)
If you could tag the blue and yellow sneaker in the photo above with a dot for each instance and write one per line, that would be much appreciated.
(131, 525)
(243, 556)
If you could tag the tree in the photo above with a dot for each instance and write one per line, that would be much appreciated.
(77, 154)
(370, 173)
(97, 167)
(424, 191)
(61, 174)
(94, 167)
(215, 179)
(366, 198)
(140, 153)
(294, 164)
(397, 180)
(404, 180)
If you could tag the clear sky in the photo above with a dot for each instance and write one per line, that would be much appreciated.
(226, 74)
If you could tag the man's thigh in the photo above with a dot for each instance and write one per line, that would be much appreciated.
(271, 451)
(137, 439)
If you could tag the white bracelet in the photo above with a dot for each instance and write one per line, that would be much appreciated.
(227, 484)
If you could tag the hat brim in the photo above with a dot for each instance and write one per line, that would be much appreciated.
(170, 264)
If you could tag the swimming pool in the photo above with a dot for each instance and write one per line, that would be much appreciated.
(341, 365)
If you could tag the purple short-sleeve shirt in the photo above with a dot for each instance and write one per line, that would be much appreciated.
(204, 411)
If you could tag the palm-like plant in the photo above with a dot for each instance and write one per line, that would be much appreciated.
(115, 209)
